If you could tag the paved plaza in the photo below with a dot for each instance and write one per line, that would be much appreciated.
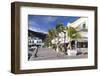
(50, 54)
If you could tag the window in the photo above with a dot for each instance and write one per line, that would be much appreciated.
(33, 41)
(82, 44)
(84, 25)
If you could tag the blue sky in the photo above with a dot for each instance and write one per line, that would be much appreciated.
(41, 23)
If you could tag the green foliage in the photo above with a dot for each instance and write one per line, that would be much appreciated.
(72, 33)
(51, 33)
(47, 41)
(59, 27)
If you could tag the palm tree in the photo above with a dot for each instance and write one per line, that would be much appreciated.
(59, 28)
(47, 41)
(72, 34)
(51, 35)
(54, 33)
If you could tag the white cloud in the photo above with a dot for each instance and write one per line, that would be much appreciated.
(49, 19)
(32, 23)
(34, 26)
(36, 29)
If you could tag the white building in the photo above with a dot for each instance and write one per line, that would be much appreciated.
(35, 41)
(81, 25)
